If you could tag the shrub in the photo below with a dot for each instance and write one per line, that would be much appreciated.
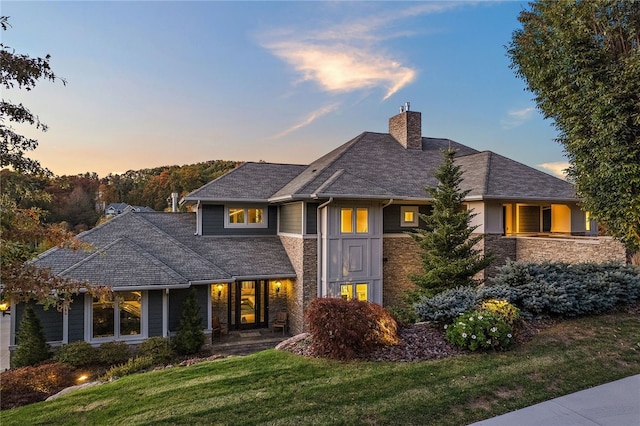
(504, 309)
(566, 290)
(157, 348)
(32, 345)
(33, 384)
(133, 365)
(448, 305)
(76, 354)
(113, 353)
(189, 336)
(480, 330)
(346, 330)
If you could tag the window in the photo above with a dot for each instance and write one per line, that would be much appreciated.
(587, 221)
(361, 291)
(245, 217)
(409, 216)
(358, 221)
(117, 318)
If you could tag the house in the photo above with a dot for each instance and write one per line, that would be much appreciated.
(267, 237)
(115, 209)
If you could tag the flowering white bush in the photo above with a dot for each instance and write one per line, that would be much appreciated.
(480, 330)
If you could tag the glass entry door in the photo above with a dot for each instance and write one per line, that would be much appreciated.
(248, 304)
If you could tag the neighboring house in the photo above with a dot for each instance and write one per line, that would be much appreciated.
(266, 237)
(115, 209)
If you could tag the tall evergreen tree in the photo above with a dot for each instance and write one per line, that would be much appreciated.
(449, 258)
(189, 336)
(32, 344)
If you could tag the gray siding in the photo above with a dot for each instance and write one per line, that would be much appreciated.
(312, 218)
(155, 313)
(176, 300)
(50, 320)
(391, 220)
(213, 222)
(76, 320)
(291, 218)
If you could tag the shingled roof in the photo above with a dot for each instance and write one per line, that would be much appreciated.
(254, 182)
(160, 250)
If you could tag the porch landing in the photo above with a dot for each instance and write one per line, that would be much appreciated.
(246, 342)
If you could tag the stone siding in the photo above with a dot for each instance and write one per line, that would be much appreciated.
(570, 250)
(401, 258)
(502, 248)
(303, 255)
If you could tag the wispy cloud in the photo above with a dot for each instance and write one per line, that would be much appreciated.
(310, 118)
(350, 56)
(557, 168)
(518, 117)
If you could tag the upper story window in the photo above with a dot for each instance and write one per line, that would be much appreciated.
(249, 217)
(409, 216)
(354, 219)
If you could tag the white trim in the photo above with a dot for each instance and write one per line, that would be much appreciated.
(165, 313)
(65, 325)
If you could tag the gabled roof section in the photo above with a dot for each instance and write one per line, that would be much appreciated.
(248, 182)
(140, 239)
(124, 262)
(379, 167)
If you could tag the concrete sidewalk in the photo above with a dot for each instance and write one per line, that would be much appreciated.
(612, 404)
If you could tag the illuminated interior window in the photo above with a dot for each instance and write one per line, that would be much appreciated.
(236, 215)
(409, 216)
(587, 221)
(249, 217)
(346, 291)
(362, 291)
(362, 221)
(346, 221)
(117, 318)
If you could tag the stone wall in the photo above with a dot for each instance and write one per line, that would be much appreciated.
(401, 258)
(303, 255)
(502, 248)
(570, 250)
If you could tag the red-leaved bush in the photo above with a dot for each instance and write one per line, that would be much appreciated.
(350, 329)
(27, 385)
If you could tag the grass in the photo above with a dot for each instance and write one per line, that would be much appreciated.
(279, 388)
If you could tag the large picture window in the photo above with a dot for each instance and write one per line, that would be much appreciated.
(119, 318)
(250, 217)
(357, 219)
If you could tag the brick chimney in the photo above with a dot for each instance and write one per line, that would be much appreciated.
(406, 128)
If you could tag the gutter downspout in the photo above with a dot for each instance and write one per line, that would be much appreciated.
(388, 203)
(319, 256)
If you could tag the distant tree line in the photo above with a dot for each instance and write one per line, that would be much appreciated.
(78, 201)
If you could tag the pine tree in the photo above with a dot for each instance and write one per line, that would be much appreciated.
(32, 344)
(449, 258)
(189, 336)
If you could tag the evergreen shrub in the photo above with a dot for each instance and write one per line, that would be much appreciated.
(133, 365)
(113, 353)
(190, 335)
(448, 305)
(348, 329)
(76, 354)
(32, 344)
(157, 348)
(564, 289)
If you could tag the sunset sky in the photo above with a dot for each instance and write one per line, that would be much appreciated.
(162, 83)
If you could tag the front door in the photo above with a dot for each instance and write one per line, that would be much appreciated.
(248, 304)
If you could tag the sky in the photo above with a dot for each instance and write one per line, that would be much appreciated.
(152, 84)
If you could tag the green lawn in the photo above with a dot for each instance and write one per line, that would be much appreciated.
(284, 389)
